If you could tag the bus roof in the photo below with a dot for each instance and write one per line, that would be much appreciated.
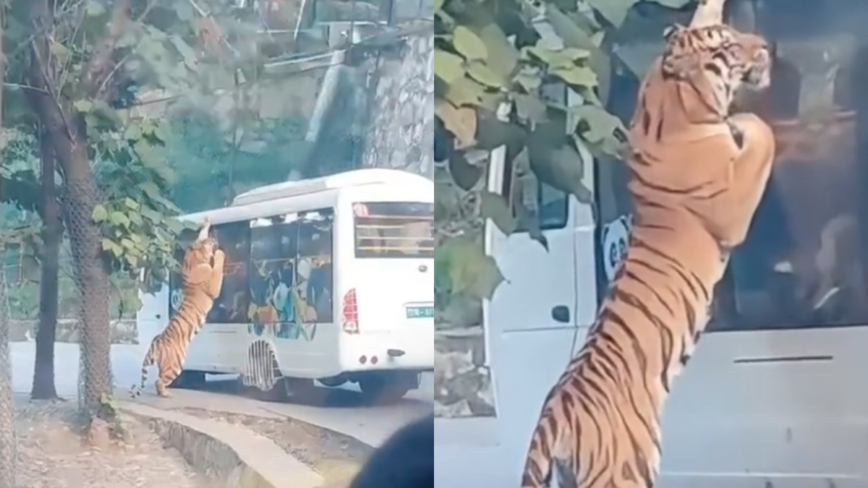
(370, 176)
(256, 202)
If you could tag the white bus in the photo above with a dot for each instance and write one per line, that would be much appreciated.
(327, 279)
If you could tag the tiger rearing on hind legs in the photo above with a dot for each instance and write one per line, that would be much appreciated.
(202, 279)
(696, 175)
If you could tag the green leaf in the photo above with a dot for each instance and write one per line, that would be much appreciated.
(162, 131)
(469, 44)
(132, 260)
(152, 215)
(448, 67)
(94, 8)
(438, 4)
(529, 79)
(471, 271)
(460, 121)
(576, 75)
(151, 190)
(529, 108)
(484, 75)
(59, 51)
(465, 91)
(571, 34)
(111, 246)
(133, 132)
(186, 52)
(175, 226)
(615, 11)
(119, 218)
(496, 208)
(130, 203)
(99, 214)
(597, 126)
(83, 106)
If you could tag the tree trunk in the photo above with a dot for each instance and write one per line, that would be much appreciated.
(52, 234)
(65, 129)
(7, 409)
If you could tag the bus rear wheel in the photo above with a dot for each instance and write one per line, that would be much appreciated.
(383, 389)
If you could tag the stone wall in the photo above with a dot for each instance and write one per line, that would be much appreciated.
(400, 125)
(123, 331)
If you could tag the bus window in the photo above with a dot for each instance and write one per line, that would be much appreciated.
(394, 229)
(551, 204)
(232, 304)
(314, 271)
(273, 250)
(802, 263)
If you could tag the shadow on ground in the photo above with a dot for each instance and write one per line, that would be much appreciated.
(316, 397)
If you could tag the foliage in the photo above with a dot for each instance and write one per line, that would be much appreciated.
(138, 233)
(202, 155)
(96, 73)
(492, 66)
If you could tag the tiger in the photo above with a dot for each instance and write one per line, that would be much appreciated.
(695, 175)
(202, 277)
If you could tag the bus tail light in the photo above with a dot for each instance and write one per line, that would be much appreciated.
(350, 313)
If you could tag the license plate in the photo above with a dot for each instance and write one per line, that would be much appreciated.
(420, 312)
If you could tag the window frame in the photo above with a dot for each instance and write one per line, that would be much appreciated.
(506, 191)
(356, 251)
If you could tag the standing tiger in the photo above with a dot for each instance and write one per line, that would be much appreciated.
(202, 277)
(696, 175)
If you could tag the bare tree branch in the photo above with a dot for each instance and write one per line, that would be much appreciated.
(99, 62)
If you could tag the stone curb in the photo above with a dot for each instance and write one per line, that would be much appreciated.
(231, 456)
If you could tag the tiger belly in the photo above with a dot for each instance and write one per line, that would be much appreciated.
(600, 425)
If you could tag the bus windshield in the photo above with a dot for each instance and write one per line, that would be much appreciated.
(394, 229)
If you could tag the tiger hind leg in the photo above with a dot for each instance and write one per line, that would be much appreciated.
(165, 378)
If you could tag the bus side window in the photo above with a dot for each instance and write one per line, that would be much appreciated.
(273, 249)
(231, 306)
(550, 205)
(314, 270)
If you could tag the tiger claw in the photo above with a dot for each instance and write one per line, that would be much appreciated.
(206, 227)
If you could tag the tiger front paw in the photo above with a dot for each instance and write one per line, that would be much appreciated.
(219, 259)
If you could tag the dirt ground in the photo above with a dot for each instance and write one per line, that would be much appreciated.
(51, 454)
(336, 457)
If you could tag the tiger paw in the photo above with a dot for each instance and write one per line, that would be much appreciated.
(219, 259)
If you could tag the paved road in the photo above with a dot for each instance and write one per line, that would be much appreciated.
(343, 410)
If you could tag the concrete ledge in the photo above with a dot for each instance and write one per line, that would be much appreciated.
(232, 456)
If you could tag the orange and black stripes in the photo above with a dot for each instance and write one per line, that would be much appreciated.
(695, 176)
(202, 277)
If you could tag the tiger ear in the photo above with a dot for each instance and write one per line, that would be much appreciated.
(672, 30)
(682, 64)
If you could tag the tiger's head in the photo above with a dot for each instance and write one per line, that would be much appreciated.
(718, 54)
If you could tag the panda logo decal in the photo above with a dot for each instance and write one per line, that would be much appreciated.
(616, 235)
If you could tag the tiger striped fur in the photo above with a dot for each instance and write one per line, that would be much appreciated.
(202, 277)
(696, 175)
